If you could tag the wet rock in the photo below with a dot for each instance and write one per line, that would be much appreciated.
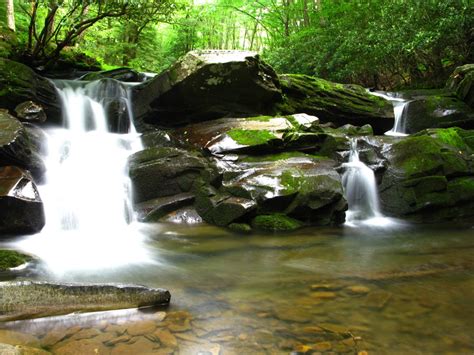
(322, 346)
(116, 340)
(19, 83)
(296, 315)
(165, 338)
(30, 111)
(153, 210)
(430, 176)
(18, 147)
(16, 338)
(7, 349)
(358, 290)
(161, 172)
(377, 299)
(462, 83)
(337, 103)
(206, 85)
(141, 328)
(185, 215)
(437, 111)
(21, 208)
(120, 74)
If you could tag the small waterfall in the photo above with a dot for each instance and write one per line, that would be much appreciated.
(87, 195)
(399, 112)
(360, 188)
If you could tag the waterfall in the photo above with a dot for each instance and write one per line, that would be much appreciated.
(360, 188)
(87, 194)
(399, 112)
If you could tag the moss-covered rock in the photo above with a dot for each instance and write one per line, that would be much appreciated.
(19, 83)
(207, 85)
(332, 102)
(462, 83)
(19, 146)
(275, 223)
(120, 74)
(10, 259)
(430, 175)
(437, 111)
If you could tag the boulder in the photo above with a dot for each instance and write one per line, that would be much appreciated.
(161, 172)
(430, 176)
(206, 85)
(21, 208)
(337, 103)
(19, 146)
(437, 111)
(19, 83)
(30, 111)
(120, 74)
(462, 83)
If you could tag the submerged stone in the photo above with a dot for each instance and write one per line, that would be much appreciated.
(30, 299)
(21, 208)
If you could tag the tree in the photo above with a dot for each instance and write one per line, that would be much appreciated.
(10, 15)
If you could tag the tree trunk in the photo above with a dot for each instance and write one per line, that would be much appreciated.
(10, 15)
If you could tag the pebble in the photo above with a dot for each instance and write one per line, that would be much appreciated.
(324, 295)
(358, 290)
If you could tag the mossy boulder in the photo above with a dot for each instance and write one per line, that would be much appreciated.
(462, 83)
(437, 111)
(165, 171)
(21, 208)
(430, 176)
(120, 74)
(332, 102)
(19, 146)
(206, 85)
(275, 223)
(19, 83)
(10, 259)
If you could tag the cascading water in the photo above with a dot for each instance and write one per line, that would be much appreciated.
(360, 188)
(87, 191)
(399, 112)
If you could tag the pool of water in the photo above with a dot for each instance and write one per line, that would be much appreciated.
(404, 289)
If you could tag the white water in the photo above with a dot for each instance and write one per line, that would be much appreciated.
(361, 192)
(87, 196)
(399, 112)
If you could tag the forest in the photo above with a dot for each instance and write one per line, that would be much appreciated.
(380, 44)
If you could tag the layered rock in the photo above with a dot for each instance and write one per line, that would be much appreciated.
(120, 74)
(21, 208)
(206, 85)
(461, 82)
(430, 176)
(18, 146)
(19, 83)
(332, 102)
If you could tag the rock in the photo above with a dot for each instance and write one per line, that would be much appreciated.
(185, 215)
(358, 289)
(18, 146)
(141, 328)
(120, 74)
(241, 228)
(161, 172)
(11, 259)
(275, 223)
(461, 82)
(206, 85)
(30, 111)
(430, 176)
(16, 338)
(325, 287)
(19, 83)
(154, 210)
(28, 299)
(21, 208)
(327, 295)
(437, 111)
(7, 349)
(166, 339)
(85, 346)
(332, 102)
(377, 299)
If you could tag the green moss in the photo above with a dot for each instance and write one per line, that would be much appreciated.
(260, 118)
(251, 137)
(241, 228)
(451, 136)
(10, 259)
(276, 222)
(279, 156)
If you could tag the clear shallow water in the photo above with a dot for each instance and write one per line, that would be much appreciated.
(403, 290)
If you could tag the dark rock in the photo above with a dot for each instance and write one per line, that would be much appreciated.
(120, 74)
(19, 83)
(30, 112)
(21, 209)
(18, 147)
(336, 103)
(437, 111)
(153, 210)
(206, 85)
(430, 176)
(462, 83)
(160, 172)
